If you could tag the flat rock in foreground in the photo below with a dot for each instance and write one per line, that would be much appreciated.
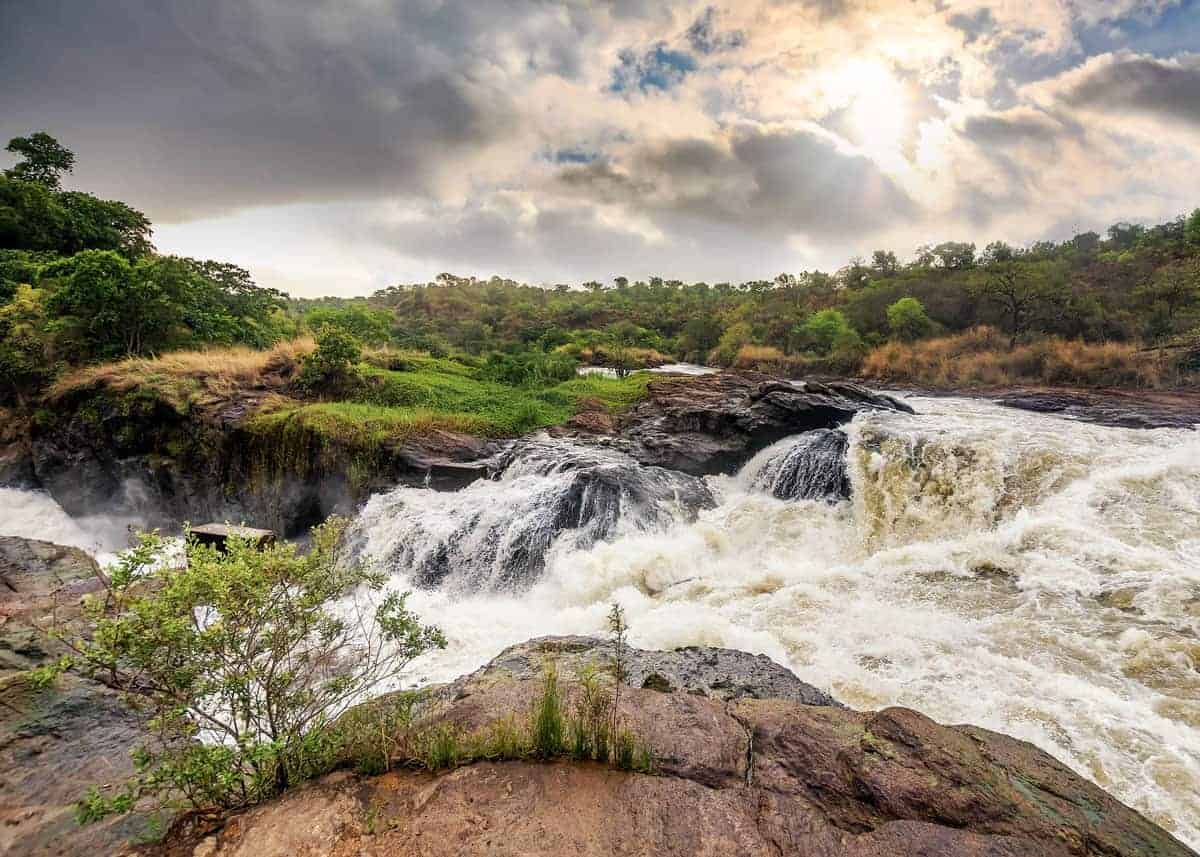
(715, 423)
(738, 773)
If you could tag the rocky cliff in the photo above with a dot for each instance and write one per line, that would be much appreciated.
(167, 458)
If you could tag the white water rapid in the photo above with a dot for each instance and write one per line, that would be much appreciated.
(1025, 573)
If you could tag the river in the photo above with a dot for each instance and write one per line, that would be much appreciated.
(1021, 572)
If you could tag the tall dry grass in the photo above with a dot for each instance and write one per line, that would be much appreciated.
(981, 357)
(218, 372)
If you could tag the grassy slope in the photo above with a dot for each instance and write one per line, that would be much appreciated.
(444, 395)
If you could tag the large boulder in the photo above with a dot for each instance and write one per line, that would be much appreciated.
(749, 761)
(715, 423)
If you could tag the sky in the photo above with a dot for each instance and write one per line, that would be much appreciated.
(340, 146)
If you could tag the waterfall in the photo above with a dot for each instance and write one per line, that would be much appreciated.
(551, 496)
(1025, 573)
(810, 466)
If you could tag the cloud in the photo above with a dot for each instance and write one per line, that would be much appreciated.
(779, 180)
(691, 137)
(1144, 84)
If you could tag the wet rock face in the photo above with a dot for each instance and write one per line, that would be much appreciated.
(1119, 408)
(740, 770)
(715, 423)
(144, 459)
(58, 742)
(715, 673)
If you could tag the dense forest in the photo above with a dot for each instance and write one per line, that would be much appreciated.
(80, 282)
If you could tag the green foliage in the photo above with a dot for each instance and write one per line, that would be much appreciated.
(241, 662)
(43, 160)
(332, 365)
(826, 330)
(368, 326)
(547, 730)
(530, 368)
(908, 321)
(25, 360)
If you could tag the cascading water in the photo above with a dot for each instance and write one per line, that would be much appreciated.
(1025, 573)
(811, 466)
(552, 496)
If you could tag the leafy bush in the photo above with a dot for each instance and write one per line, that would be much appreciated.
(332, 366)
(908, 321)
(241, 663)
(530, 368)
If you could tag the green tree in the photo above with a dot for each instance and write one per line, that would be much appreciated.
(43, 160)
(825, 329)
(24, 347)
(1022, 292)
(1170, 298)
(731, 341)
(99, 224)
(908, 321)
(242, 661)
(107, 307)
(368, 326)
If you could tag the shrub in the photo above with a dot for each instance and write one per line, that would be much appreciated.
(530, 368)
(826, 331)
(241, 662)
(332, 366)
(908, 321)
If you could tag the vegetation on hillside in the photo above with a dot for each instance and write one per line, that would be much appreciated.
(80, 284)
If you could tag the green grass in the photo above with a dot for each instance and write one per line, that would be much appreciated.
(431, 394)
(616, 394)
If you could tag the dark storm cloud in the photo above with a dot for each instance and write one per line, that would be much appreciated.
(196, 108)
(778, 180)
(1143, 84)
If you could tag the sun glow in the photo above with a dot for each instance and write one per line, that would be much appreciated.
(876, 108)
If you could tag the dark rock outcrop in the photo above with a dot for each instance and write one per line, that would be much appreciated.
(56, 743)
(148, 458)
(740, 770)
(715, 423)
(812, 467)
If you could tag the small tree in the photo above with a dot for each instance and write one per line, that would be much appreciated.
(1023, 293)
(242, 662)
(333, 363)
(908, 321)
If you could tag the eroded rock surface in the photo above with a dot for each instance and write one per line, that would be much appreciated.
(738, 772)
(58, 742)
(715, 423)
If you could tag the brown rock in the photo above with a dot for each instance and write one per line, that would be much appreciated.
(736, 775)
